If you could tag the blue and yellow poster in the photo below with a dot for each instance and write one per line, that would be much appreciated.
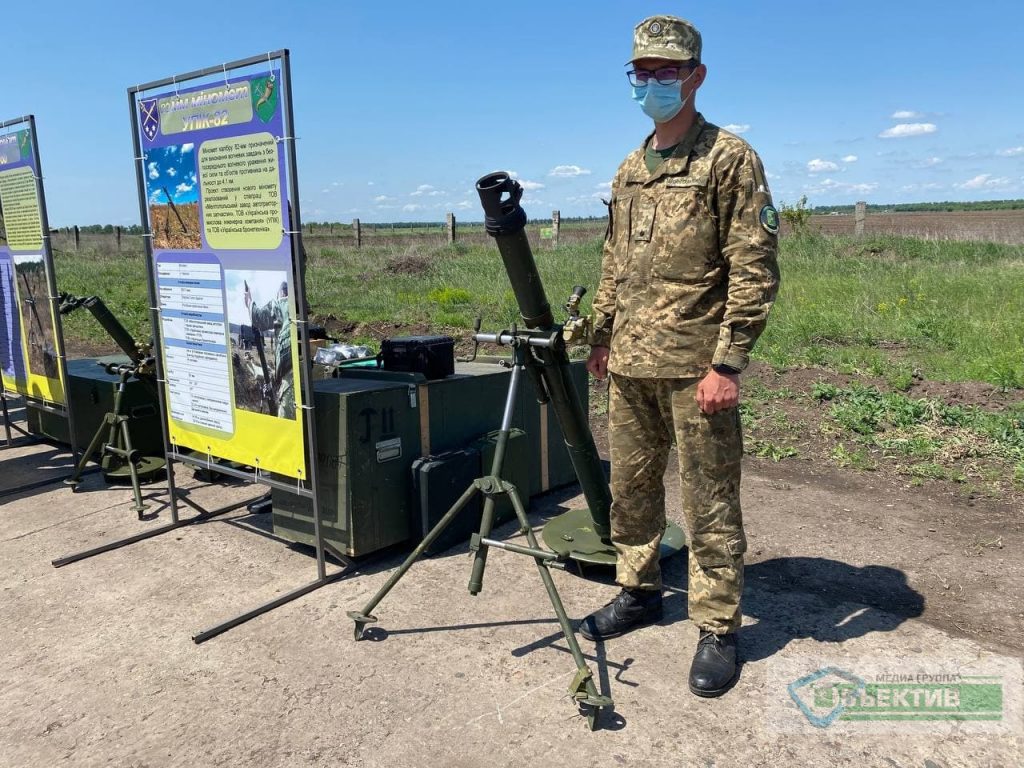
(215, 173)
(29, 359)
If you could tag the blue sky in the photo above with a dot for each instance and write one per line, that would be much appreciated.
(400, 106)
(171, 169)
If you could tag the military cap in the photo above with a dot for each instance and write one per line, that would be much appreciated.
(666, 37)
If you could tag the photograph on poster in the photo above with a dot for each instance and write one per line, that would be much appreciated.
(3, 229)
(173, 197)
(35, 315)
(260, 319)
(8, 326)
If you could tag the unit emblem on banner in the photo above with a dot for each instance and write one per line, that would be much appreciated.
(264, 97)
(150, 118)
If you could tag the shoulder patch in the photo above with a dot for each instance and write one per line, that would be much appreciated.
(769, 219)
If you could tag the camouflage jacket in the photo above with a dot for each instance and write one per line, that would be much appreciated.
(275, 315)
(689, 270)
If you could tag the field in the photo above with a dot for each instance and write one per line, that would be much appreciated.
(167, 227)
(988, 226)
(864, 331)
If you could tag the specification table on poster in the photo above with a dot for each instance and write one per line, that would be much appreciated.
(195, 344)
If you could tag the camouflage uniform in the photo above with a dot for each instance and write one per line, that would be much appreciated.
(689, 274)
(276, 314)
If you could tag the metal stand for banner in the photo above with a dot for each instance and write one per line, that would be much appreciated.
(309, 419)
(58, 328)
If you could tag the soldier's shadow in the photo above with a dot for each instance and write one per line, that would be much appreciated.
(808, 597)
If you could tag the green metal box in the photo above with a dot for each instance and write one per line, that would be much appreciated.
(91, 393)
(369, 504)
(367, 438)
(459, 409)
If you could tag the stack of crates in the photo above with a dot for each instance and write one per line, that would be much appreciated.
(395, 450)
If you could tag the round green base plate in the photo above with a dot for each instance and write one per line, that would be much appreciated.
(148, 468)
(572, 534)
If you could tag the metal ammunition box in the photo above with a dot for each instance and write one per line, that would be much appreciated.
(367, 439)
(368, 504)
(91, 393)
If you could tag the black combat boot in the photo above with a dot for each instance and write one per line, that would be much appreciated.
(713, 670)
(633, 608)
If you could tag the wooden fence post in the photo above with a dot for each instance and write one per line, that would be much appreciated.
(450, 222)
(556, 225)
(117, 232)
(859, 212)
(357, 230)
(77, 238)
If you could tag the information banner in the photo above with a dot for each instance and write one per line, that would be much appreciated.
(214, 166)
(30, 359)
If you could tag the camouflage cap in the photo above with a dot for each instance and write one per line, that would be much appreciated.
(666, 37)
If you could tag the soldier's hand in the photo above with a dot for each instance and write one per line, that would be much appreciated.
(718, 391)
(597, 363)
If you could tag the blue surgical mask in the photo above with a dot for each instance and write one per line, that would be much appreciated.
(661, 102)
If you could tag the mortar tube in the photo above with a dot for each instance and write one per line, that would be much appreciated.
(505, 220)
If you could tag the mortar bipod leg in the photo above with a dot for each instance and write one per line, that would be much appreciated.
(583, 689)
(94, 444)
(133, 468)
(493, 484)
(364, 617)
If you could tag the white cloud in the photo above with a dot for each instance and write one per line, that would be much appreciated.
(568, 171)
(1011, 152)
(325, 189)
(820, 166)
(906, 114)
(426, 189)
(155, 196)
(904, 130)
(605, 185)
(930, 162)
(737, 127)
(183, 187)
(154, 171)
(410, 207)
(831, 185)
(985, 181)
(369, 183)
(187, 148)
(850, 159)
(463, 205)
(530, 186)
(383, 199)
(336, 184)
(172, 172)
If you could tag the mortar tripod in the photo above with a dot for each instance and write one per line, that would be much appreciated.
(582, 689)
(118, 446)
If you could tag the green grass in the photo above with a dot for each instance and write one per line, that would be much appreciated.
(891, 307)
(926, 437)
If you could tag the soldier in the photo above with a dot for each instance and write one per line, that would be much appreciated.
(688, 276)
(276, 315)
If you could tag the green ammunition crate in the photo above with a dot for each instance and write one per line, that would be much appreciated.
(367, 439)
(91, 393)
(439, 481)
(457, 410)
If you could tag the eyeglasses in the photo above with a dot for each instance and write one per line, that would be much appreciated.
(638, 78)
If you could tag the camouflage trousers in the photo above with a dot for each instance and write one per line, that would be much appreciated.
(645, 415)
(286, 397)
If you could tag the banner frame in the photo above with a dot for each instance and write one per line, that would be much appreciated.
(294, 223)
(42, 404)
